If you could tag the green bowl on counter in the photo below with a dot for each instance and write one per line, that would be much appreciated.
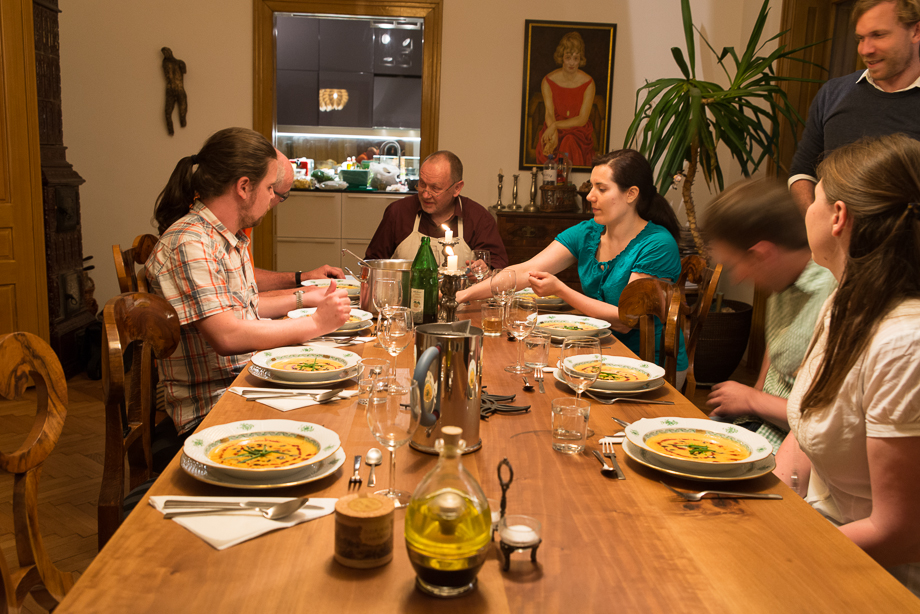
(356, 178)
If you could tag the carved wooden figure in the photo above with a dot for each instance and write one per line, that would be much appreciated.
(175, 88)
(25, 357)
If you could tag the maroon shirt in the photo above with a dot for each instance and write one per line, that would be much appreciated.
(479, 229)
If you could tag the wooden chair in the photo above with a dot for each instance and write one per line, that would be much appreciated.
(150, 325)
(125, 261)
(25, 358)
(694, 269)
(641, 302)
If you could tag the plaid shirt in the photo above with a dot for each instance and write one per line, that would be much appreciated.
(202, 270)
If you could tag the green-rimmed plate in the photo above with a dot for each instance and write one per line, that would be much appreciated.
(746, 472)
(644, 372)
(310, 473)
(340, 363)
(352, 285)
(564, 325)
(315, 437)
(542, 301)
(358, 318)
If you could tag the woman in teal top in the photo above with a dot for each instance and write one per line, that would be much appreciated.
(633, 235)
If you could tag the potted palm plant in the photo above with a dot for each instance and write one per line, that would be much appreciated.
(679, 126)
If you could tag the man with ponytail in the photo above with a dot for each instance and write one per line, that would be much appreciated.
(201, 265)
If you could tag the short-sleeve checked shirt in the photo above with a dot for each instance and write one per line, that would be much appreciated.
(202, 269)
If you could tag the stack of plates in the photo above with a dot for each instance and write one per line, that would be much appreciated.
(699, 449)
(358, 320)
(620, 376)
(305, 365)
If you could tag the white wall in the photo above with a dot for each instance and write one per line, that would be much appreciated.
(113, 89)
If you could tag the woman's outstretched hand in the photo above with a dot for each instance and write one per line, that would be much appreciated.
(545, 284)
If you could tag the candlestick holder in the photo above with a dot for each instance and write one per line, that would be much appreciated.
(499, 206)
(532, 205)
(449, 283)
(514, 194)
(453, 243)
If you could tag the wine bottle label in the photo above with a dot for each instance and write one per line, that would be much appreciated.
(417, 304)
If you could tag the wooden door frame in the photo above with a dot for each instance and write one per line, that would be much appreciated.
(264, 117)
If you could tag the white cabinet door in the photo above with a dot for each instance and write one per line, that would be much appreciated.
(309, 214)
(361, 214)
(307, 254)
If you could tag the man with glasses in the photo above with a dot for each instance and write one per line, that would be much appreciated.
(437, 204)
(286, 282)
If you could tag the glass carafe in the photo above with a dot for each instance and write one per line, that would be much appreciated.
(448, 523)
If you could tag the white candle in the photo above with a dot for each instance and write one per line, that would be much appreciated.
(448, 233)
(519, 535)
(451, 259)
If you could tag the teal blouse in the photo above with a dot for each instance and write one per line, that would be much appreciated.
(652, 252)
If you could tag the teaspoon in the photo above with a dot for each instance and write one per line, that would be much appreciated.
(373, 458)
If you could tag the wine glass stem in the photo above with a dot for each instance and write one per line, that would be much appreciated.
(520, 361)
(392, 487)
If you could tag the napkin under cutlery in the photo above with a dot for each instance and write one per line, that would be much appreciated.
(287, 403)
(224, 530)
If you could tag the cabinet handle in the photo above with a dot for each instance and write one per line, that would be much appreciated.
(528, 231)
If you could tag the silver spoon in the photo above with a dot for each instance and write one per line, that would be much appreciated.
(373, 458)
(274, 512)
(527, 386)
(605, 468)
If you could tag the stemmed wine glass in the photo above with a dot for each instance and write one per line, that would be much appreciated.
(394, 332)
(503, 285)
(393, 413)
(520, 321)
(388, 293)
(585, 351)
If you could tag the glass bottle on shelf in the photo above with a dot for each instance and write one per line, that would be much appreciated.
(565, 167)
(550, 171)
(424, 300)
(448, 523)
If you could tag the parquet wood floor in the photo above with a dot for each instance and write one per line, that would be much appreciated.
(69, 486)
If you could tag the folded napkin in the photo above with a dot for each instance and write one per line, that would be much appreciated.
(287, 404)
(224, 530)
(615, 438)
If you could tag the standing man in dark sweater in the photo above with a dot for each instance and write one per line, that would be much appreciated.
(883, 99)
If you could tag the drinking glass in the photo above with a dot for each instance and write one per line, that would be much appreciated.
(503, 285)
(393, 413)
(388, 293)
(570, 424)
(492, 316)
(536, 349)
(394, 332)
(520, 321)
(373, 369)
(480, 264)
(587, 352)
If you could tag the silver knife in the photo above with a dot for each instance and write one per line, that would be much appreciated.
(184, 503)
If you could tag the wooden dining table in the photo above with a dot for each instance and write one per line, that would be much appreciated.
(614, 545)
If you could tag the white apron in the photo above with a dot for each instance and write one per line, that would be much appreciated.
(409, 246)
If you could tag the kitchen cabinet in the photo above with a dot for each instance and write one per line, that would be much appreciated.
(311, 228)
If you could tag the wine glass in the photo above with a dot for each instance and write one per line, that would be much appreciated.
(503, 285)
(393, 413)
(395, 333)
(520, 321)
(587, 352)
(388, 293)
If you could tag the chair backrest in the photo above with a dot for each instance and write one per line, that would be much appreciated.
(695, 270)
(640, 303)
(25, 358)
(125, 261)
(149, 325)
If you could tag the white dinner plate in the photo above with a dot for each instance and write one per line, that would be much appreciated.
(605, 336)
(571, 320)
(542, 301)
(653, 385)
(649, 370)
(344, 362)
(745, 472)
(266, 376)
(352, 285)
(358, 319)
(310, 473)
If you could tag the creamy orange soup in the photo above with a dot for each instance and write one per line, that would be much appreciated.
(311, 363)
(263, 451)
(699, 445)
(568, 325)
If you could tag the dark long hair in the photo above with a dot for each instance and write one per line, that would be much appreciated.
(228, 155)
(630, 168)
(879, 182)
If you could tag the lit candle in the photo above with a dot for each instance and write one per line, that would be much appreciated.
(448, 233)
(519, 535)
(451, 259)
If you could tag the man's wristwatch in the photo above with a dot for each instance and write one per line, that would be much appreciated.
(297, 277)
(298, 298)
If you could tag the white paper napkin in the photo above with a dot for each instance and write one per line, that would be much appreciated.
(285, 404)
(224, 530)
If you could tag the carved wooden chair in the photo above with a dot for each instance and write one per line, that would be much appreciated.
(25, 358)
(125, 260)
(149, 324)
(641, 302)
(694, 269)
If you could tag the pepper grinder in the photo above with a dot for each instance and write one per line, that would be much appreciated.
(532, 205)
(514, 193)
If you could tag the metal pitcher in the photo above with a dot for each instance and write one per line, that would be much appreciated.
(449, 376)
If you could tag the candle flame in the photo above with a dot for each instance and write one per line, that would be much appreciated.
(445, 227)
(450, 252)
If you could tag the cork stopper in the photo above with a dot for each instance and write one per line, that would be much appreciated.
(451, 435)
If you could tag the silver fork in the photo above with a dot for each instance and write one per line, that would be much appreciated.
(538, 376)
(627, 400)
(696, 496)
(607, 447)
(355, 481)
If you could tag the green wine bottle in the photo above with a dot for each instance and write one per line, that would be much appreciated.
(424, 300)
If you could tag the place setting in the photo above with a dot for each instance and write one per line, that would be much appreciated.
(349, 334)
(561, 326)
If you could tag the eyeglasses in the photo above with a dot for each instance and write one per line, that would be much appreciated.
(422, 188)
(281, 197)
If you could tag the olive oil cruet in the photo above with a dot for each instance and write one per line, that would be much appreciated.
(448, 523)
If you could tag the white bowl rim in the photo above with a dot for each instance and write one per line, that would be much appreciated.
(654, 372)
(266, 357)
(564, 317)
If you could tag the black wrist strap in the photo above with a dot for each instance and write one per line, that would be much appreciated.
(297, 278)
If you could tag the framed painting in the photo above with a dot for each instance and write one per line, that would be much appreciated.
(567, 84)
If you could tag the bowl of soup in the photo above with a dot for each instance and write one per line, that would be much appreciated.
(262, 449)
(563, 325)
(546, 301)
(357, 319)
(308, 363)
(617, 372)
(698, 445)
(350, 284)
